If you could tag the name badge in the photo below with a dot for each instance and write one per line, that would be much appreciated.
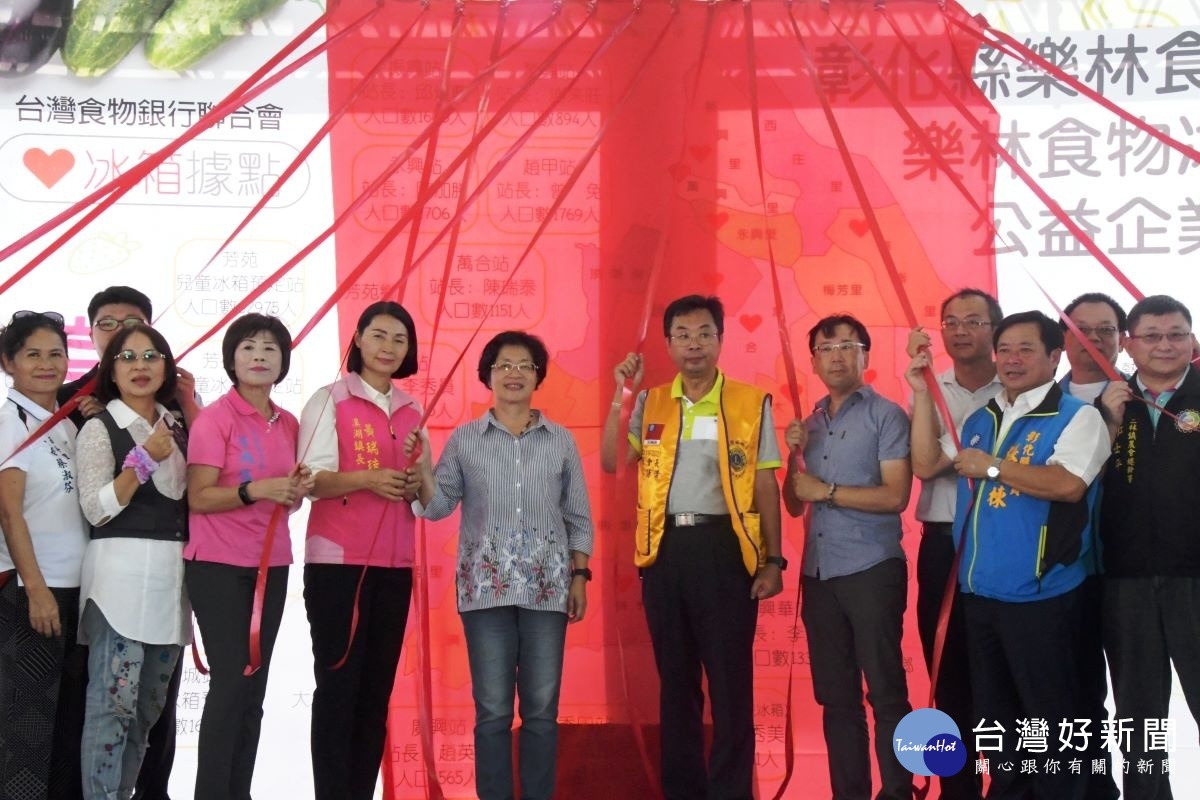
(704, 428)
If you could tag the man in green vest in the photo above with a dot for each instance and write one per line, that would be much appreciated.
(708, 544)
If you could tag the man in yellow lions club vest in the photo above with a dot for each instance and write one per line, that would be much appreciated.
(707, 543)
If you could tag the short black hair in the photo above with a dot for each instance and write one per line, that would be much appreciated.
(408, 365)
(119, 294)
(535, 346)
(246, 326)
(1096, 297)
(828, 325)
(14, 335)
(1051, 333)
(1156, 305)
(106, 382)
(695, 302)
(995, 314)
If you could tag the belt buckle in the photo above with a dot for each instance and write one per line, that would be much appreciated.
(685, 520)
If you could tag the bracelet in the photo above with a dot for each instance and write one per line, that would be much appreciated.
(617, 404)
(581, 572)
(141, 462)
(244, 493)
(829, 497)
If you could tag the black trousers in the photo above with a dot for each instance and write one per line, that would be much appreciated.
(1093, 688)
(350, 704)
(222, 598)
(854, 625)
(953, 693)
(42, 685)
(155, 774)
(1150, 623)
(1025, 665)
(701, 617)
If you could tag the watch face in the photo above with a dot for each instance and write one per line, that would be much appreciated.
(993, 472)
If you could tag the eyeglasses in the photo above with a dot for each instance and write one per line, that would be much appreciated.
(110, 324)
(829, 348)
(519, 367)
(1174, 337)
(1103, 331)
(53, 316)
(150, 356)
(953, 323)
(703, 337)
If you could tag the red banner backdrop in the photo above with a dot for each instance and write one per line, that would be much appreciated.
(575, 168)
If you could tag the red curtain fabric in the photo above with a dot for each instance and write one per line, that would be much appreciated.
(618, 171)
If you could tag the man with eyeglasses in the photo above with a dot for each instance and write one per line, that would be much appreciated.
(108, 311)
(1148, 527)
(1026, 492)
(968, 317)
(1102, 322)
(708, 544)
(856, 480)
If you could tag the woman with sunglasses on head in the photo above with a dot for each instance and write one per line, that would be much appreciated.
(352, 436)
(524, 541)
(42, 671)
(241, 466)
(134, 616)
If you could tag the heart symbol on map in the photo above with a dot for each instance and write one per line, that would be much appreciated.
(49, 168)
(859, 227)
(718, 219)
(700, 152)
(750, 321)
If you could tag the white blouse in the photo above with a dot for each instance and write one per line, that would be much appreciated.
(136, 583)
(51, 508)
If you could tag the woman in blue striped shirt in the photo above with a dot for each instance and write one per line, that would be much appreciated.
(524, 540)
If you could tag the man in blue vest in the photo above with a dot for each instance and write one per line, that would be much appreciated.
(1024, 511)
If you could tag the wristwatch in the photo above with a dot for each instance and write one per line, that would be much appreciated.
(778, 561)
(581, 572)
(244, 494)
(993, 472)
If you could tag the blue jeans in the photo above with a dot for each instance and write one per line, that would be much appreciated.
(511, 651)
(126, 692)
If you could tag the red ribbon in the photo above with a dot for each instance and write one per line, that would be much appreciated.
(789, 362)
(1011, 47)
(119, 186)
(317, 138)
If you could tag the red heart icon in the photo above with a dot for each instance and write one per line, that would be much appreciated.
(49, 168)
(859, 226)
(750, 321)
(679, 171)
(700, 152)
(718, 219)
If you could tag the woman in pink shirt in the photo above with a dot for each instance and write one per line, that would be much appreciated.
(352, 436)
(241, 465)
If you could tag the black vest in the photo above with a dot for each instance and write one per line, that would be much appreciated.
(150, 514)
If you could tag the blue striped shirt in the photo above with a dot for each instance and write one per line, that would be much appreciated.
(524, 509)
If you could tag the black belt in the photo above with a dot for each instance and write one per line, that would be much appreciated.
(688, 520)
(946, 528)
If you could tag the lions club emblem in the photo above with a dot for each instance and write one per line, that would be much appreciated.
(737, 458)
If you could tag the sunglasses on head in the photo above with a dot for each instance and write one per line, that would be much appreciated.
(53, 316)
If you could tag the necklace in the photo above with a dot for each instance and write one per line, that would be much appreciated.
(529, 422)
